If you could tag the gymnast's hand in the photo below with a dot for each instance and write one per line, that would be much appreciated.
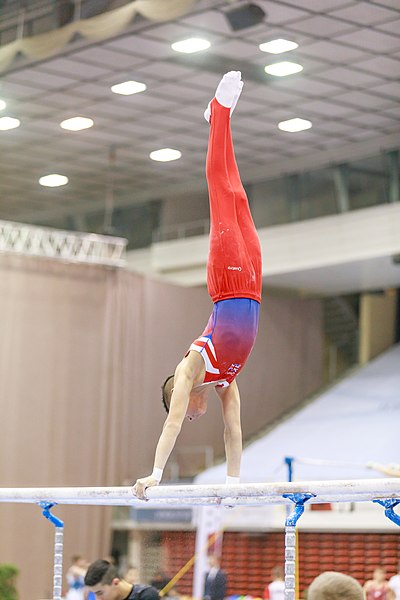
(141, 485)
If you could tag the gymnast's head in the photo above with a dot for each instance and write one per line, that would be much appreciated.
(166, 389)
(197, 406)
(332, 585)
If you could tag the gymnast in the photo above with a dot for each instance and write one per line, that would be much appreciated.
(234, 273)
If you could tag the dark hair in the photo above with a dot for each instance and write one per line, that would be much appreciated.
(101, 571)
(166, 392)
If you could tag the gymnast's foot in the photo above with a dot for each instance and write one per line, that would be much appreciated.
(228, 92)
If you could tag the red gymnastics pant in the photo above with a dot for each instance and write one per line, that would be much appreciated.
(234, 268)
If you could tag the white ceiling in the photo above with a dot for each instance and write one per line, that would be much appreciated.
(349, 89)
(346, 278)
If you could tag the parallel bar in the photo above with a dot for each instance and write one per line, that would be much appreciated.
(330, 463)
(241, 494)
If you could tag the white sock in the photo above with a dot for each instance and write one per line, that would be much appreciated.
(228, 92)
(236, 98)
(228, 87)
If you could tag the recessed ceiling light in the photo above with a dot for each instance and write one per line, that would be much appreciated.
(127, 88)
(9, 123)
(2, 104)
(165, 154)
(77, 123)
(281, 69)
(294, 125)
(191, 45)
(278, 46)
(53, 180)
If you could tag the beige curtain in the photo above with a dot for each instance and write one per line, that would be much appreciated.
(67, 376)
(100, 27)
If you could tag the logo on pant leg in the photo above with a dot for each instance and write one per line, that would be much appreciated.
(234, 268)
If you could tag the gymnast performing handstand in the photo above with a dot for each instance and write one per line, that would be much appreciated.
(234, 273)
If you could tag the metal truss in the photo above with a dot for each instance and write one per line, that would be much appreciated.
(68, 246)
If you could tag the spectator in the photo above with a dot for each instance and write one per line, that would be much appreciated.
(215, 583)
(335, 586)
(276, 589)
(75, 579)
(394, 583)
(378, 588)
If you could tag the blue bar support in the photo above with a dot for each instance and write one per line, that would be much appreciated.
(389, 505)
(299, 500)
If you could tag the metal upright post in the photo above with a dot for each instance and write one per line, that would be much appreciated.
(58, 548)
(291, 543)
(340, 179)
(77, 10)
(394, 176)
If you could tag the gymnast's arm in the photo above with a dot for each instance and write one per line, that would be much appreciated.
(183, 384)
(230, 399)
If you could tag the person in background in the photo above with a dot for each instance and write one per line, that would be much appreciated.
(160, 580)
(394, 583)
(215, 582)
(332, 585)
(276, 589)
(378, 588)
(75, 579)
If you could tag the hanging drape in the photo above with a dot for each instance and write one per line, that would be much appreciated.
(96, 28)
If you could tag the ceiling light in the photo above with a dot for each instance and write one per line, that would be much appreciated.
(165, 154)
(127, 88)
(278, 46)
(281, 69)
(191, 45)
(2, 105)
(77, 123)
(53, 180)
(9, 123)
(294, 125)
(245, 16)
